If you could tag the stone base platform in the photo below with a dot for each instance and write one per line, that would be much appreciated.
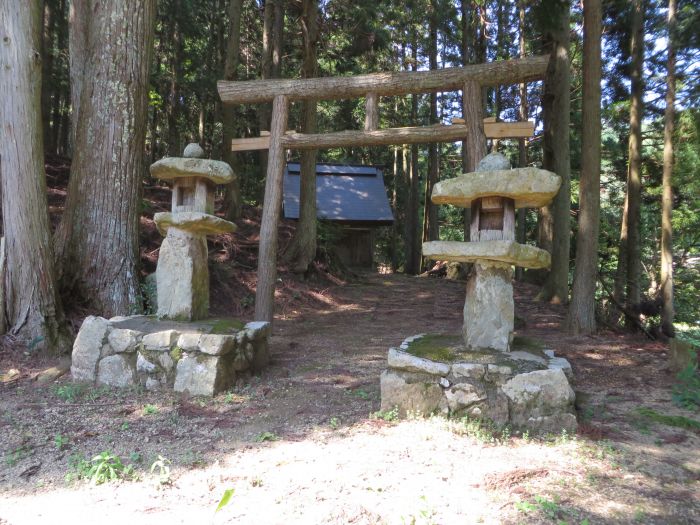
(202, 358)
(527, 388)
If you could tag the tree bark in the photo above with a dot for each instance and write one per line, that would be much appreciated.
(667, 311)
(33, 310)
(431, 230)
(176, 61)
(581, 315)
(78, 20)
(413, 248)
(265, 73)
(556, 107)
(634, 177)
(520, 232)
(229, 114)
(267, 255)
(48, 88)
(302, 249)
(97, 240)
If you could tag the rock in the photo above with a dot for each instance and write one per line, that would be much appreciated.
(259, 329)
(561, 364)
(528, 187)
(521, 355)
(462, 395)
(538, 394)
(183, 277)
(488, 308)
(143, 365)
(152, 384)
(160, 341)
(177, 167)
(193, 151)
(468, 370)
(189, 342)
(444, 382)
(202, 375)
(87, 347)
(194, 222)
(405, 361)
(216, 344)
(123, 340)
(553, 424)
(548, 353)
(493, 162)
(504, 252)
(411, 393)
(261, 355)
(117, 370)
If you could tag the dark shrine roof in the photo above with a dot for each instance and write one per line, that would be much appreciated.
(344, 193)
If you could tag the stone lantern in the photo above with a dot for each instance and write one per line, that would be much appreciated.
(182, 274)
(493, 193)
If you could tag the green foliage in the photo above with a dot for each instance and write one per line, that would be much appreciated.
(60, 441)
(18, 454)
(225, 499)
(648, 415)
(483, 430)
(70, 392)
(149, 409)
(386, 415)
(266, 436)
(102, 468)
(334, 423)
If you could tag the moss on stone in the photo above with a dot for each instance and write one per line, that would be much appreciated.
(176, 354)
(225, 326)
(436, 347)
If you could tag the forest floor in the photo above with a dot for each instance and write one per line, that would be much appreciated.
(303, 443)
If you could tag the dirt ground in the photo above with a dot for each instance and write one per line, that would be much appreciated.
(300, 443)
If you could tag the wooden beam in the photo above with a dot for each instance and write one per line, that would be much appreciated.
(380, 137)
(505, 130)
(385, 84)
(272, 208)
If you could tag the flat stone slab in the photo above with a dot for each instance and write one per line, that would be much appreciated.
(203, 357)
(508, 252)
(177, 167)
(528, 187)
(194, 222)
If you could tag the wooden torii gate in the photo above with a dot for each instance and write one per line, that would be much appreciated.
(470, 79)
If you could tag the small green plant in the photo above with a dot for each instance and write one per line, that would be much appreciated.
(193, 458)
(68, 392)
(162, 465)
(149, 410)
(136, 457)
(266, 436)
(18, 454)
(124, 426)
(107, 466)
(362, 394)
(334, 423)
(550, 508)
(225, 499)
(60, 441)
(78, 467)
(386, 415)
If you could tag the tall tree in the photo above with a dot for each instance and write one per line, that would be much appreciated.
(556, 105)
(97, 240)
(413, 247)
(302, 249)
(667, 311)
(33, 310)
(630, 241)
(520, 233)
(581, 317)
(430, 211)
(228, 112)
